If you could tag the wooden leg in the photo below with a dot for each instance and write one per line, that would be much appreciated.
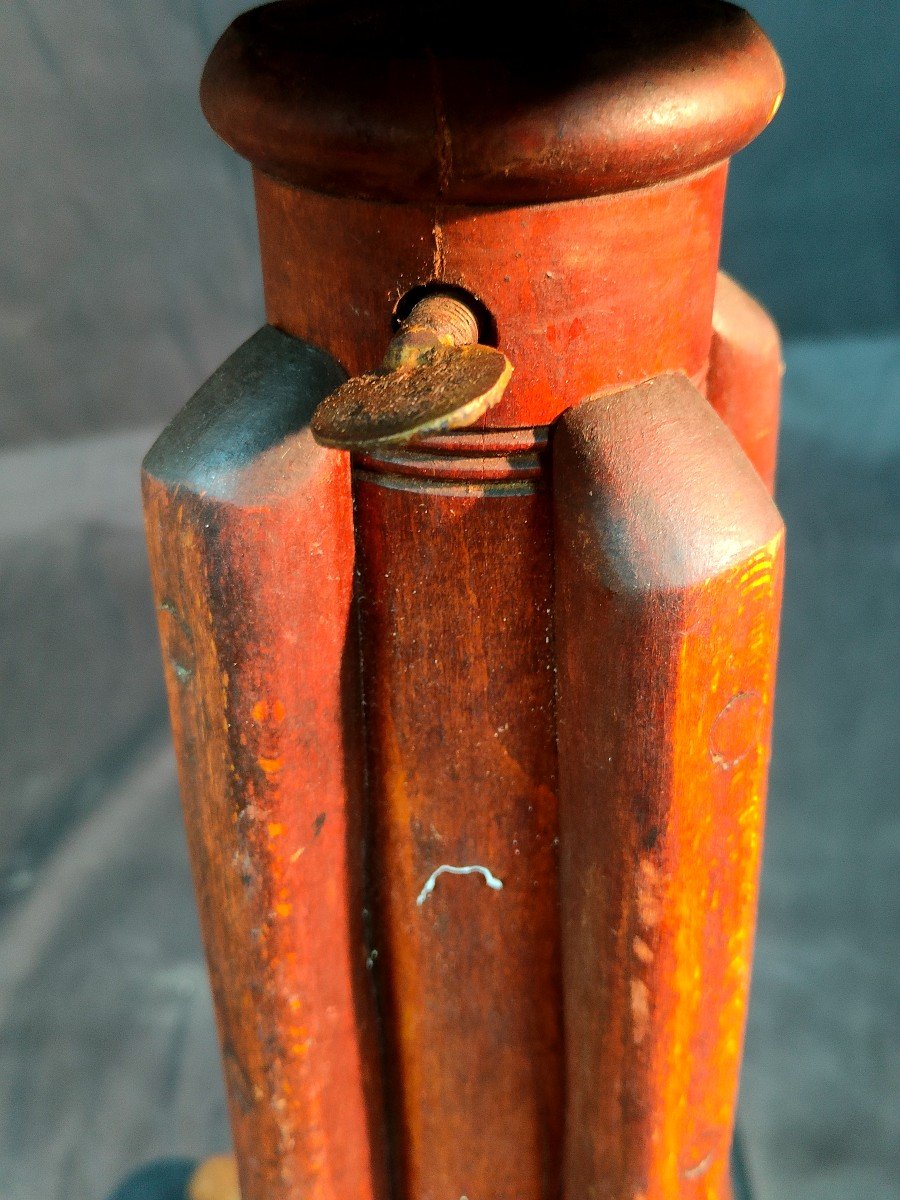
(745, 369)
(668, 567)
(456, 586)
(249, 525)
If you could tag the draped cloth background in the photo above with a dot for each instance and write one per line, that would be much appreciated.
(127, 272)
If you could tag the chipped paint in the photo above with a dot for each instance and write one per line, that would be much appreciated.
(648, 899)
(262, 710)
(735, 730)
(640, 1010)
(642, 951)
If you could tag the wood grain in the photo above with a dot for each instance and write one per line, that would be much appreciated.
(249, 528)
(393, 694)
(668, 577)
(484, 105)
(584, 296)
(456, 584)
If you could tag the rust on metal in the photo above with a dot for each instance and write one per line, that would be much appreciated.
(435, 376)
(448, 388)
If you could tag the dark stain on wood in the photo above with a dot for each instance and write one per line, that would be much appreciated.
(539, 652)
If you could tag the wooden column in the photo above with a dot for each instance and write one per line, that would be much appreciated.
(472, 731)
(250, 534)
(668, 575)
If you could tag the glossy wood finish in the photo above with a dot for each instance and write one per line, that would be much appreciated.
(585, 295)
(668, 576)
(250, 533)
(483, 104)
(579, 650)
(457, 619)
(745, 370)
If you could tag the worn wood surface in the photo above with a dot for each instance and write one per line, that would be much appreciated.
(398, 701)
(584, 295)
(457, 618)
(251, 547)
(745, 370)
(668, 576)
(482, 104)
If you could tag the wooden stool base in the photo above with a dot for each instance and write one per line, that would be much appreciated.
(473, 729)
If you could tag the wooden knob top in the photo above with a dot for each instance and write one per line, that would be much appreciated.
(479, 103)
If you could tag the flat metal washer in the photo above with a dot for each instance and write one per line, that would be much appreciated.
(449, 388)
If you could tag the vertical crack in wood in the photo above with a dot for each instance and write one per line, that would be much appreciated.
(444, 156)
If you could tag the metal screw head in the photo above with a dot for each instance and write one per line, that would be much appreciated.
(448, 387)
(435, 376)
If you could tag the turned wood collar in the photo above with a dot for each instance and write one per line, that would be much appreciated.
(484, 105)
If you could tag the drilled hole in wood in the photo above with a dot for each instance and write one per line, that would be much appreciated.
(487, 326)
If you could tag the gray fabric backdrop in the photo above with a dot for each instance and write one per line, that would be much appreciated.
(127, 272)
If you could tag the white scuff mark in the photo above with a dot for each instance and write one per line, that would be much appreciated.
(701, 1168)
(445, 869)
